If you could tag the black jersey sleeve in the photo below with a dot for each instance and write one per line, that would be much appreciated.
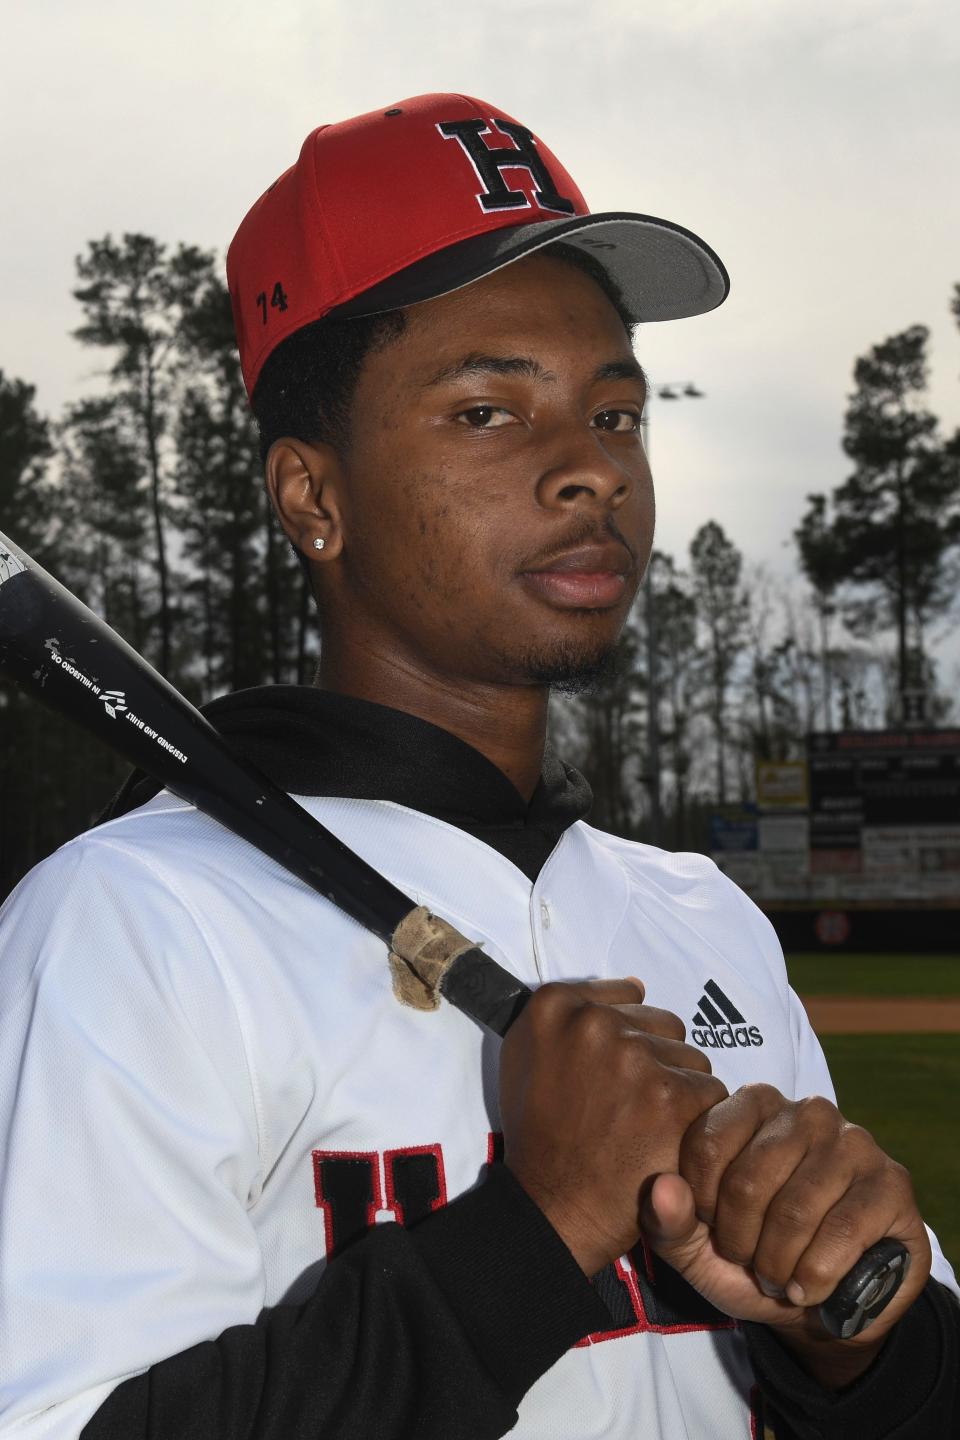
(910, 1392)
(431, 1333)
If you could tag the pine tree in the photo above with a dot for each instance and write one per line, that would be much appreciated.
(25, 448)
(722, 609)
(678, 670)
(135, 299)
(824, 562)
(895, 520)
(602, 733)
(247, 590)
(218, 478)
(53, 778)
(104, 515)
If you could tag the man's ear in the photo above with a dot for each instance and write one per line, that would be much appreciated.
(303, 481)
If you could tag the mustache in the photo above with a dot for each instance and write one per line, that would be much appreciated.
(585, 532)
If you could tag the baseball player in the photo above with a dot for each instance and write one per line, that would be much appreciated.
(247, 1192)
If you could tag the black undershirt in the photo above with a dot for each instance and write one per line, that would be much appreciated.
(465, 1286)
(315, 742)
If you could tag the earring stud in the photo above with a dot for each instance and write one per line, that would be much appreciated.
(319, 543)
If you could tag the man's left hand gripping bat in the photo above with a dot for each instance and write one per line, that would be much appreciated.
(57, 649)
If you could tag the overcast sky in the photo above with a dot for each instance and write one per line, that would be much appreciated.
(812, 143)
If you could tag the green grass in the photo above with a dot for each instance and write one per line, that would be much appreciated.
(874, 974)
(903, 1089)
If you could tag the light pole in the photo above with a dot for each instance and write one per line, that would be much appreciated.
(673, 390)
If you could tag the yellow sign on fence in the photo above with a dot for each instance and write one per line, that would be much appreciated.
(782, 785)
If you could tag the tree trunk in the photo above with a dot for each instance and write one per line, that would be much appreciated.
(721, 757)
(273, 595)
(236, 660)
(719, 723)
(136, 610)
(825, 665)
(653, 713)
(901, 588)
(764, 742)
(209, 644)
(158, 531)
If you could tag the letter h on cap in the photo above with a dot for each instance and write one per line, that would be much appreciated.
(490, 163)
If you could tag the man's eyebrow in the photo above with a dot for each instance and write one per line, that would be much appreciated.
(622, 370)
(480, 364)
(523, 365)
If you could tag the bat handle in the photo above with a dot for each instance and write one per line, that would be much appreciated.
(481, 988)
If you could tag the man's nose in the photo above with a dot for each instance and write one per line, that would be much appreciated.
(578, 467)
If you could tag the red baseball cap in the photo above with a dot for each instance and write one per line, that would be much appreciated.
(414, 201)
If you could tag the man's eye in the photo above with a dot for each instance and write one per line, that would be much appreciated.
(622, 420)
(485, 417)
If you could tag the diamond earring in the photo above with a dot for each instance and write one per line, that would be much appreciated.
(319, 543)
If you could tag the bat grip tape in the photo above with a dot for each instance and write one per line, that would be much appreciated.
(430, 958)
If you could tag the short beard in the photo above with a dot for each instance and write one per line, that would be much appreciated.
(568, 671)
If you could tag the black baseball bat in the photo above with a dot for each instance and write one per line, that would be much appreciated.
(66, 656)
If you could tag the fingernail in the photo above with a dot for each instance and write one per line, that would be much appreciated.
(796, 1293)
(767, 1286)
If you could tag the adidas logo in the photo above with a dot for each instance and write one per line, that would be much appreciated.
(718, 1024)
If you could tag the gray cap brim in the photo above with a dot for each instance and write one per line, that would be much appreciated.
(662, 271)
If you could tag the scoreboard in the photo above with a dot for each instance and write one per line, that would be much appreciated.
(885, 804)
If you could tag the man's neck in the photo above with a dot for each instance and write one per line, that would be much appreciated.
(506, 723)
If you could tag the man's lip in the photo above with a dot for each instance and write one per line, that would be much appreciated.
(578, 589)
(589, 559)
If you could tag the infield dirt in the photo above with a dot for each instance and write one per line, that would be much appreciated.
(890, 1015)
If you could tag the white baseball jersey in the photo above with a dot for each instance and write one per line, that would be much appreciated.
(191, 1042)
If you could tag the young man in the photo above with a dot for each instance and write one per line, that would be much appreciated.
(247, 1192)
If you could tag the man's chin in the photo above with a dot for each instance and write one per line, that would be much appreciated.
(570, 670)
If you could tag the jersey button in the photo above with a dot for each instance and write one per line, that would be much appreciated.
(544, 914)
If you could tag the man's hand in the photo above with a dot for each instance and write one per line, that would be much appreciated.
(596, 1093)
(772, 1202)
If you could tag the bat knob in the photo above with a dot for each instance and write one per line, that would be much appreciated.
(866, 1289)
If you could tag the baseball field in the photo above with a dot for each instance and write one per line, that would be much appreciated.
(890, 1027)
